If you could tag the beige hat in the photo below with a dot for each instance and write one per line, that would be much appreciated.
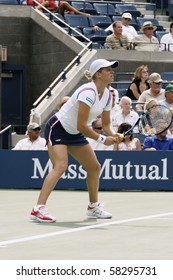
(127, 15)
(148, 24)
(32, 126)
(155, 77)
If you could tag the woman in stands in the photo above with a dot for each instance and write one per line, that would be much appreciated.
(139, 83)
(129, 143)
(66, 132)
(124, 114)
(61, 7)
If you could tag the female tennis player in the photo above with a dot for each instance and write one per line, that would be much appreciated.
(66, 132)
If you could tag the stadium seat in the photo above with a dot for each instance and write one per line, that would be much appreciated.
(98, 36)
(154, 21)
(128, 8)
(122, 92)
(59, 22)
(85, 7)
(170, 9)
(96, 45)
(77, 35)
(101, 21)
(78, 21)
(159, 34)
(167, 76)
(105, 9)
(123, 84)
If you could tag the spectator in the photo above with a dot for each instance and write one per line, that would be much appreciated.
(124, 114)
(128, 29)
(129, 143)
(61, 7)
(117, 41)
(146, 41)
(155, 91)
(115, 98)
(97, 127)
(33, 141)
(139, 83)
(166, 41)
(150, 103)
(158, 142)
(168, 101)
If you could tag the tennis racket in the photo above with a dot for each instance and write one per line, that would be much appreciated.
(155, 120)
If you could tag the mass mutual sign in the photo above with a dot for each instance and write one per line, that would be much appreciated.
(119, 170)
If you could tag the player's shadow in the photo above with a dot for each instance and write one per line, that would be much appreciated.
(71, 224)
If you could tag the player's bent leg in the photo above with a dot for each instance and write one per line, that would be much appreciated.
(87, 158)
(59, 158)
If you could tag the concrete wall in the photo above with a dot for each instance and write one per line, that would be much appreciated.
(43, 55)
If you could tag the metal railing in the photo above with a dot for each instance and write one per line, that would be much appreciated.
(76, 60)
(6, 137)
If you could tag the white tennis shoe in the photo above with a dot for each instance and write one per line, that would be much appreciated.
(98, 212)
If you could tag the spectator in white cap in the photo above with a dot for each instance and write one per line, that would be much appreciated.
(33, 141)
(154, 92)
(66, 132)
(128, 29)
(146, 41)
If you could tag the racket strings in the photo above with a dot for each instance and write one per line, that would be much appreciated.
(157, 119)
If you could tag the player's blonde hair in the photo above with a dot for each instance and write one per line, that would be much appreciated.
(88, 75)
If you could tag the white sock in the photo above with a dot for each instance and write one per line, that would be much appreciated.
(37, 207)
(93, 204)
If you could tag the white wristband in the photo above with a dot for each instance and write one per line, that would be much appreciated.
(101, 139)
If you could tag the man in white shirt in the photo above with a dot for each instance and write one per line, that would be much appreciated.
(146, 41)
(154, 92)
(167, 40)
(33, 141)
(128, 29)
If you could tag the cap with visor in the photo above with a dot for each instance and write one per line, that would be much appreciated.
(97, 64)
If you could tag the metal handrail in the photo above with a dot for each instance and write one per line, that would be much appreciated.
(9, 129)
(62, 75)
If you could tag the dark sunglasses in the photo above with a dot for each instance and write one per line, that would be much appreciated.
(99, 127)
(38, 128)
(127, 19)
(149, 28)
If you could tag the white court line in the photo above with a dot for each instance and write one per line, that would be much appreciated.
(56, 233)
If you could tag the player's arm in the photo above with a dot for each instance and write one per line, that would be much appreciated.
(106, 123)
(82, 126)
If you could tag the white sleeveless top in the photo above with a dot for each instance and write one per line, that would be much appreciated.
(130, 147)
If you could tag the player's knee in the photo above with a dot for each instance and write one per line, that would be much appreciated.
(60, 169)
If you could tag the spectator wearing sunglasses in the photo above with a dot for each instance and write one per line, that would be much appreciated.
(33, 141)
(156, 91)
(97, 127)
(146, 41)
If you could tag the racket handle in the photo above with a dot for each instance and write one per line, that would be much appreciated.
(122, 136)
(119, 137)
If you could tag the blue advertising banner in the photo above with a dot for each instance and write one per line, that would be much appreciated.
(120, 170)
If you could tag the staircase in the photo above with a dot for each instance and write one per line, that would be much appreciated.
(160, 15)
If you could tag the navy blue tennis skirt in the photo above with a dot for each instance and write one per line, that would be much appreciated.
(57, 135)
